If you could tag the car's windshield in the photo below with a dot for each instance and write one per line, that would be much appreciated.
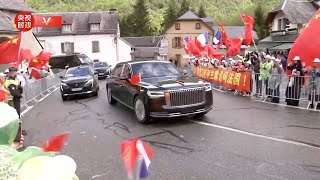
(78, 72)
(101, 64)
(155, 69)
(85, 59)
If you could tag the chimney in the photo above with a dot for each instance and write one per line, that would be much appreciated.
(113, 11)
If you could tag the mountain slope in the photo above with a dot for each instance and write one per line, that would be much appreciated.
(220, 10)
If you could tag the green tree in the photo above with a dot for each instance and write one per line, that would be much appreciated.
(185, 6)
(171, 13)
(259, 25)
(125, 24)
(202, 12)
(141, 19)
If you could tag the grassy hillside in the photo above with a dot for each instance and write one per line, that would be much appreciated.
(226, 11)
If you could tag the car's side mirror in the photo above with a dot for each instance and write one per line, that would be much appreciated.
(61, 77)
(109, 66)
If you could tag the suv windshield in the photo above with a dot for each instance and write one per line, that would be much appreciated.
(85, 59)
(76, 72)
(155, 69)
(101, 64)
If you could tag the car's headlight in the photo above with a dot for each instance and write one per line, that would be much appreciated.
(64, 84)
(207, 87)
(155, 94)
(89, 82)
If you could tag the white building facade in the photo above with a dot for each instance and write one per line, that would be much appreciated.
(96, 35)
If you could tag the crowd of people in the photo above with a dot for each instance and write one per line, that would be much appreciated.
(270, 70)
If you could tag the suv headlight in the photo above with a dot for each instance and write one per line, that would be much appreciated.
(89, 82)
(207, 87)
(155, 94)
(63, 84)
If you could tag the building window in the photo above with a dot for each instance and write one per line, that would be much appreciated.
(177, 26)
(198, 26)
(66, 28)
(67, 47)
(94, 27)
(176, 42)
(95, 47)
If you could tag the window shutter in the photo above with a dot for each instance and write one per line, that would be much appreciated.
(173, 42)
(62, 48)
(72, 47)
(95, 47)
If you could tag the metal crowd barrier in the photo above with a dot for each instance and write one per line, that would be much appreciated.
(302, 91)
(39, 89)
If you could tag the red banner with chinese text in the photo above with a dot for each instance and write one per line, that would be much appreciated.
(229, 79)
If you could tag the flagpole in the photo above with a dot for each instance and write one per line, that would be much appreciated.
(20, 49)
(254, 43)
(138, 167)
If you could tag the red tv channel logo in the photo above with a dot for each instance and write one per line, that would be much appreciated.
(25, 21)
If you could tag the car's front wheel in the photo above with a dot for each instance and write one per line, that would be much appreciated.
(141, 111)
(111, 100)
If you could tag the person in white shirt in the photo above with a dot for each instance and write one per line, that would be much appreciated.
(21, 78)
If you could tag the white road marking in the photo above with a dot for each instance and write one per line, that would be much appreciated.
(37, 101)
(254, 134)
(25, 111)
(283, 105)
(99, 175)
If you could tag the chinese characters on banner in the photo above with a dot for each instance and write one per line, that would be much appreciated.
(229, 79)
(24, 21)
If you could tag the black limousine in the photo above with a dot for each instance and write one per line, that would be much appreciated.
(163, 90)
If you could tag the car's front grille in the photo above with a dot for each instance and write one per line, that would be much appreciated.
(187, 97)
(101, 71)
(76, 85)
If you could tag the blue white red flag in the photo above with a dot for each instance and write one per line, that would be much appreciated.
(202, 40)
(217, 38)
(130, 151)
(186, 42)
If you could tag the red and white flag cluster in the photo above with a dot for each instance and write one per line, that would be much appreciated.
(195, 46)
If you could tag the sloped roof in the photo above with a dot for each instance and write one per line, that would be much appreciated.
(81, 21)
(188, 16)
(280, 39)
(208, 21)
(6, 24)
(236, 31)
(145, 41)
(145, 52)
(15, 5)
(297, 12)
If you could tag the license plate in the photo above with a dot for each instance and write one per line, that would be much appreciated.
(76, 89)
(101, 73)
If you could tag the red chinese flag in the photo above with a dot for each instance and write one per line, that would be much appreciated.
(26, 54)
(217, 56)
(35, 72)
(209, 49)
(249, 22)
(135, 78)
(9, 50)
(193, 48)
(55, 144)
(44, 56)
(47, 21)
(129, 154)
(223, 33)
(307, 44)
(234, 46)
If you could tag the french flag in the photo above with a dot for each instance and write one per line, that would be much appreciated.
(137, 157)
(146, 154)
(217, 38)
(202, 40)
(186, 42)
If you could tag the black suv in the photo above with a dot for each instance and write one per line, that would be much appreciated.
(79, 80)
(163, 90)
(69, 60)
(102, 69)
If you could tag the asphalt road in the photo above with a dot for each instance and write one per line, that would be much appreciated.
(238, 139)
